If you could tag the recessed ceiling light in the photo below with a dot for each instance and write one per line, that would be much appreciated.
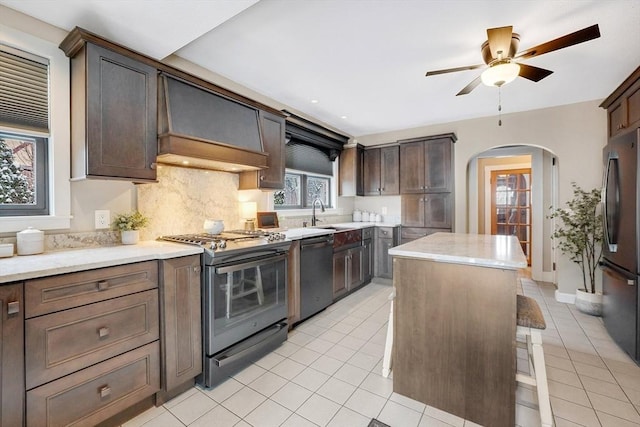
(314, 101)
(343, 117)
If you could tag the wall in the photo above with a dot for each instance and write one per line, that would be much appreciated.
(575, 133)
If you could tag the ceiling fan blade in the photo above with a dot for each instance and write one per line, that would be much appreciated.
(453, 70)
(499, 41)
(580, 36)
(535, 74)
(471, 86)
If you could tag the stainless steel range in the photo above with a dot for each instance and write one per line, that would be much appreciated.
(244, 298)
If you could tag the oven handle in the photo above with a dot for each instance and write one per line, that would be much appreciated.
(252, 264)
(226, 358)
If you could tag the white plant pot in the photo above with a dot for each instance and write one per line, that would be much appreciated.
(130, 237)
(589, 303)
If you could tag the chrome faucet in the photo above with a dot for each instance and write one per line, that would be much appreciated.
(313, 211)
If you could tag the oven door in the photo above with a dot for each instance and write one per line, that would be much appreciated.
(242, 297)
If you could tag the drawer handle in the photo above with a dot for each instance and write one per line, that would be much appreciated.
(13, 307)
(103, 285)
(103, 332)
(105, 391)
(196, 270)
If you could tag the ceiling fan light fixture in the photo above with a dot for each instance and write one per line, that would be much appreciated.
(500, 74)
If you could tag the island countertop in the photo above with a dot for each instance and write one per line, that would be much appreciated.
(482, 250)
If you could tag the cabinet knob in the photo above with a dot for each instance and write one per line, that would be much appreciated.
(105, 391)
(13, 307)
(153, 165)
(103, 332)
(261, 177)
(196, 270)
(103, 285)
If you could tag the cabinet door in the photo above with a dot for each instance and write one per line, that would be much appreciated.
(383, 260)
(390, 170)
(351, 174)
(633, 106)
(412, 163)
(355, 267)
(367, 260)
(437, 167)
(340, 273)
(372, 172)
(272, 129)
(617, 119)
(11, 356)
(121, 103)
(437, 210)
(181, 321)
(412, 210)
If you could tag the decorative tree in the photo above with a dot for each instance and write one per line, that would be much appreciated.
(580, 234)
(14, 186)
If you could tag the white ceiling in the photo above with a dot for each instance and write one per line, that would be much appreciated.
(366, 59)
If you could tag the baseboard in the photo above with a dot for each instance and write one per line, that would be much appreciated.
(565, 298)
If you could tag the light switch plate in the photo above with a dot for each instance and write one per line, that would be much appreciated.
(102, 219)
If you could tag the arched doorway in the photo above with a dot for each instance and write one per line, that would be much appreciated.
(542, 164)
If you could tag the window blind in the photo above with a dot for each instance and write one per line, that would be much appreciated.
(306, 158)
(24, 90)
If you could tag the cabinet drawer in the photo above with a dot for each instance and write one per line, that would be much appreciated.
(411, 233)
(63, 342)
(95, 394)
(56, 293)
(367, 233)
(384, 232)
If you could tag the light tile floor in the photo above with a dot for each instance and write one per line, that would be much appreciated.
(328, 373)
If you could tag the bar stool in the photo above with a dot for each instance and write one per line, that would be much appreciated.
(386, 361)
(530, 322)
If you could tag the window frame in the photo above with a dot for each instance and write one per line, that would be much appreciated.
(304, 204)
(59, 138)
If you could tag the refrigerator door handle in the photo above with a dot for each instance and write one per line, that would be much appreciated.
(617, 272)
(610, 216)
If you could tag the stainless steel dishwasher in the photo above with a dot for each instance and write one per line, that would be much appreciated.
(316, 274)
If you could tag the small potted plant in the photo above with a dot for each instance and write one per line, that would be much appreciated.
(129, 225)
(580, 237)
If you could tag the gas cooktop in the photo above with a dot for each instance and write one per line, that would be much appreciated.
(233, 241)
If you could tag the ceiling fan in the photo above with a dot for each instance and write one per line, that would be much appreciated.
(499, 53)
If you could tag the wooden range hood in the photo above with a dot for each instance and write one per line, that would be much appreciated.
(201, 129)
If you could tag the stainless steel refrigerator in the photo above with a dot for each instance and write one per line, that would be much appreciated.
(620, 262)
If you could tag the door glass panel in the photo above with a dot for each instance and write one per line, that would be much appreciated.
(511, 205)
(246, 291)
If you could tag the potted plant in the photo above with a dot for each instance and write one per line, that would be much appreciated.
(580, 237)
(129, 225)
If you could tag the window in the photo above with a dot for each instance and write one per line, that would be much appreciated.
(23, 168)
(34, 128)
(300, 190)
(309, 176)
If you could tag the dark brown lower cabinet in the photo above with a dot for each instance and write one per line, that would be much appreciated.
(347, 270)
(11, 355)
(181, 324)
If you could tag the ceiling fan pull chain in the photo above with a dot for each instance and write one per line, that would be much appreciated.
(499, 106)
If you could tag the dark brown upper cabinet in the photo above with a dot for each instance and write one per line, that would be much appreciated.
(381, 171)
(427, 164)
(113, 116)
(623, 106)
(272, 130)
(351, 171)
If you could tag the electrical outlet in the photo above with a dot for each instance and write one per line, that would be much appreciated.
(384, 210)
(102, 219)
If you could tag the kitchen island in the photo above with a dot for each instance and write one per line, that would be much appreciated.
(455, 324)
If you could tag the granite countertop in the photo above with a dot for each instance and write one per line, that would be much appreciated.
(472, 249)
(18, 268)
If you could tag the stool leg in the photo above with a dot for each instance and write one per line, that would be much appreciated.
(541, 379)
(386, 361)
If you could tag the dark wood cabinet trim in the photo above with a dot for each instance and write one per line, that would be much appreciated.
(628, 82)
